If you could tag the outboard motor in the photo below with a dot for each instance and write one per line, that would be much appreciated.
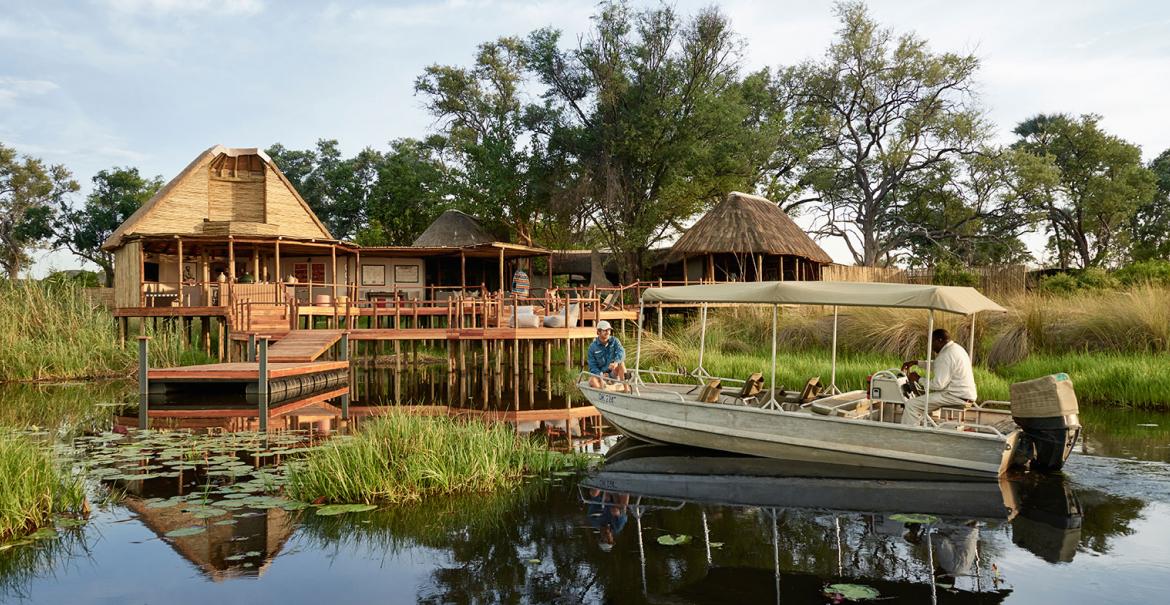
(1046, 410)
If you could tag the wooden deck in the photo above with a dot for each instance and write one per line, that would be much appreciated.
(240, 371)
(303, 345)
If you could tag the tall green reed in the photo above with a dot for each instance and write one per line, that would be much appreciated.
(406, 457)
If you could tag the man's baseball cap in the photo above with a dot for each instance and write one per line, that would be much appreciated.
(604, 325)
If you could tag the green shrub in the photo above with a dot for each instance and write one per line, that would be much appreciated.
(1096, 279)
(1060, 283)
(1149, 271)
(953, 274)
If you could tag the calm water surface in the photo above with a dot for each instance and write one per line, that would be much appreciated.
(1099, 534)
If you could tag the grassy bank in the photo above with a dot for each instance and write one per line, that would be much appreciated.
(1114, 344)
(403, 457)
(53, 332)
(35, 487)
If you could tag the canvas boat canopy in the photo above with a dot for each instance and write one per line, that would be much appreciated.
(952, 299)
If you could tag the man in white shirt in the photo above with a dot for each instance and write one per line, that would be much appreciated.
(952, 380)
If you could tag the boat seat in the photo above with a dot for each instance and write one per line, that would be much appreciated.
(752, 387)
(852, 404)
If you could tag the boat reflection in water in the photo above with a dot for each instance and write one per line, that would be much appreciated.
(915, 539)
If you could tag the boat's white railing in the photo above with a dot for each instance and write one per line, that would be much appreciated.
(631, 386)
(959, 425)
(690, 376)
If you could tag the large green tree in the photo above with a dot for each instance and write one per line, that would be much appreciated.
(1151, 221)
(890, 114)
(407, 197)
(334, 187)
(972, 213)
(484, 130)
(116, 194)
(30, 193)
(1100, 183)
(650, 109)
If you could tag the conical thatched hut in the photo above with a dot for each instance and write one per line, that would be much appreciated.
(454, 229)
(745, 238)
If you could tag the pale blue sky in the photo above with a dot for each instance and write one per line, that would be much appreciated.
(151, 83)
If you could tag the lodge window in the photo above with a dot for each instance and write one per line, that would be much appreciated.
(150, 271)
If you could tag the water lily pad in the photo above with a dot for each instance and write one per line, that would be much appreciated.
(66, 522)
(534, 561)
(852, 592)
(914, 518)
(225, 522)
(341, 509)
(186, 531)
(716, 545)
(669, 540)
(45, 533)
(292, 505)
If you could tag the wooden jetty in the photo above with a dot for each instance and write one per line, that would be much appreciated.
(250, 388)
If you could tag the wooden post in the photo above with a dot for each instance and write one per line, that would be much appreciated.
(220, 332)
(548, 287)
(357, 272)
(262, 387)
(279, 276)
(462, 270)
(181, 280)
(143, 386)
(205, 334)
(333, 255)
(345, 357)
(503, 288)
(231, 262)
(251, 356)
(141, 273)
(686, 274)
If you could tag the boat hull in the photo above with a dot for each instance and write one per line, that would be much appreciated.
(802, 436)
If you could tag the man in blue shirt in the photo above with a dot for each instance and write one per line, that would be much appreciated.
(606, 357)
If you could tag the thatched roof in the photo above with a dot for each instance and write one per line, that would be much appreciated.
(745, 224)
(454, 229)
(183, 205)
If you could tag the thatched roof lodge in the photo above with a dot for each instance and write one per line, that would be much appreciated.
(231, 227)
(745, 238)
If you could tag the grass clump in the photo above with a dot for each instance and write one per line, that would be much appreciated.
(404, 457)
(36, 487)
(52, 331)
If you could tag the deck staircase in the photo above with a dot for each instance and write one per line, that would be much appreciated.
(267, 319)
(303, 345)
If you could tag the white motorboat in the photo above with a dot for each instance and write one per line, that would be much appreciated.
(857, 428)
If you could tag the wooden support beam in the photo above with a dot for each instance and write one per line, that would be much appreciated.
(141, 273)
(182, 278)
(143, 382)
(333, 255)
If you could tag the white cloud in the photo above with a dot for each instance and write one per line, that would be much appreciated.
(14, 88)
(189, 7)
